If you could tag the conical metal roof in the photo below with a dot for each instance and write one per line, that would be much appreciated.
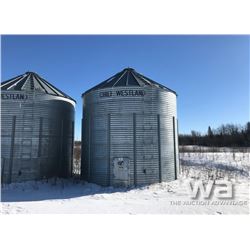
(32, 81)
(128, 77)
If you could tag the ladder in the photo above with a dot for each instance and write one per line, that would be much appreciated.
(27, 134)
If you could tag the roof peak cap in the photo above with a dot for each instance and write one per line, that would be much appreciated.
(129, 68)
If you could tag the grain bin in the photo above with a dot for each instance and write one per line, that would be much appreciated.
(129, 132)
(37, 129)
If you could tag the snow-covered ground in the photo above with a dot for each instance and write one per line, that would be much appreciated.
(226, 165)
(72, 196)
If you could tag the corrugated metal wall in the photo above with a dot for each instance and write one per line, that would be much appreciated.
(142, 129)
(36, 137)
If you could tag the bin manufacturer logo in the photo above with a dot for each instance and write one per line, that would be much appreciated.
(221, 189)
(14, 96)
(122, 93)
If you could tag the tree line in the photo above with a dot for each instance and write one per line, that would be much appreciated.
(226, 135)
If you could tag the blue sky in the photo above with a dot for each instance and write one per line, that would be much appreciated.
(209, 73)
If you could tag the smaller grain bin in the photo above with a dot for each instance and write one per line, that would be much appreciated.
(37, 129)
(129, 132)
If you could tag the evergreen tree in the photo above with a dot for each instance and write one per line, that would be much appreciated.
(210, 132)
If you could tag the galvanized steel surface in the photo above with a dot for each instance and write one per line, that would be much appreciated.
(32, 81)
(138, 126)
(37, 134)
(129, 77)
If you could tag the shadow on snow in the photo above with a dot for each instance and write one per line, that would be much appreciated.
(51, 190)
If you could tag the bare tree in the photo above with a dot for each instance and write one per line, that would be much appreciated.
(77, 158)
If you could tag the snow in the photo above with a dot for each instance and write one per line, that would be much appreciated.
(74, 196)
(215, 165)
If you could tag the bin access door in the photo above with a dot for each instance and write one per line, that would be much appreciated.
(121, 172)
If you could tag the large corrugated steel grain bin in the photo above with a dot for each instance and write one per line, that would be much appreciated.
(129, 132)
(37, 129)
